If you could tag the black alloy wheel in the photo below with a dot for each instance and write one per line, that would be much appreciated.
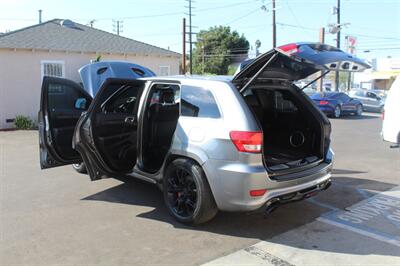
(187, 193)
(182, 193)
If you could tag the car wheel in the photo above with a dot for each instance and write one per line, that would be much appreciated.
(80, 167)
(359, 110)
(337, 112)
(187, 193)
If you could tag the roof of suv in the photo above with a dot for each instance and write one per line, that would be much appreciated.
(192, 77)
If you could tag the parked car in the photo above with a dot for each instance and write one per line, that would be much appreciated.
(211, 143)
(371, 101)
(336, 104)
(391, 115)
(93, 76)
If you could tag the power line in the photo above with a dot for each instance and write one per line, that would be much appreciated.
(242, 17)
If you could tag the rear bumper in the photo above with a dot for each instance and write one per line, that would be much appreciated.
(327, 109)
(231, 184)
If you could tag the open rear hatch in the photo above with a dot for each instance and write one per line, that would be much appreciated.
(296, 134)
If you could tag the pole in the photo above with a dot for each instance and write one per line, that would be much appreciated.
(40, 16)
(321, 40)
(337, 42)
(117, 27)
(184, 46)
(273, 25)
(202, 59)
(190, 37)
(350, 51)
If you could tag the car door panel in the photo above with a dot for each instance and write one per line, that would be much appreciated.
(57, 118)
(108, 141)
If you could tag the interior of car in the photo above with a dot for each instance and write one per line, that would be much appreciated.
(114, 126)
(160, 120)
(292, 136)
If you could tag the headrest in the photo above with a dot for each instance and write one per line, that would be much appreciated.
(167, 96)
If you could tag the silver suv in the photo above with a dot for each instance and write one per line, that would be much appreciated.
(210, 143)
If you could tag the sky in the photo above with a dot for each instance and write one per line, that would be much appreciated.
(375, 24)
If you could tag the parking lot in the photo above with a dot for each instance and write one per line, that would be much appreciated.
(57, 216)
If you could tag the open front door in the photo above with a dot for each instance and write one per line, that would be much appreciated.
(61, 105)
(106, 136)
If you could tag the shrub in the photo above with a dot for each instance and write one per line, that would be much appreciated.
(23, 122)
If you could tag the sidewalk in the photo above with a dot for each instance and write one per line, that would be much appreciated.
(367, 233)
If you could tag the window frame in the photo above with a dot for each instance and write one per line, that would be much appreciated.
(60, 62)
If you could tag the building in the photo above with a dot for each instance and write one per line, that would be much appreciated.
(381, 75)
(59, 48)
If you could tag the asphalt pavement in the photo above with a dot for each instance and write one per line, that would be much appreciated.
(58, 216)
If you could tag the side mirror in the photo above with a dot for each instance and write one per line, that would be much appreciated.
(80, 104)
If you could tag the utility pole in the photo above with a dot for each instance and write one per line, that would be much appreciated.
(321, 40)
(117, 26)
(337, 42)
(273, 25)
(190, 7)
(40, 16)
(184, 46)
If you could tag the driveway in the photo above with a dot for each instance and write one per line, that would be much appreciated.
(58, 216)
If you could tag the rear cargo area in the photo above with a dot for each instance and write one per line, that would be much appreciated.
(293, 132)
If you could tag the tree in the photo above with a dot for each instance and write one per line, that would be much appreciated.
(217, 48)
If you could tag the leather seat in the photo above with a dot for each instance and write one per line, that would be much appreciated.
(163, 119)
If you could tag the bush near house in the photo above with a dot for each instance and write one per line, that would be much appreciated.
(23, 122)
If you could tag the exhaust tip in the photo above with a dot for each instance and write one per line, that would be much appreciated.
(327, 185)
(272, 207)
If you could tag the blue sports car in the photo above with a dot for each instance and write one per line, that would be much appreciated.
(336, 104)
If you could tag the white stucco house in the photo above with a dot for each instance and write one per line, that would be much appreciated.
(59, 48)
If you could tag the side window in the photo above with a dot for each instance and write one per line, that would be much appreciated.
(123, 101)
(63, 97)
(360, 93)
(164, 70)
(344, 97)
(198, 102)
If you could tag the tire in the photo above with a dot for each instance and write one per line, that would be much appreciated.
(359, 110)
(80, 168)
(187, 194)
(337, 112)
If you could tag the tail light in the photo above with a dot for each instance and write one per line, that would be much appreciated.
(383, 114)
(257, 192)
(323, 102)
(288, 49)
(247, 141)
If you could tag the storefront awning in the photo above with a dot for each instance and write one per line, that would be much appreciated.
(384, 74)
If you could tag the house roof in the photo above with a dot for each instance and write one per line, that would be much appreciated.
(75, 37)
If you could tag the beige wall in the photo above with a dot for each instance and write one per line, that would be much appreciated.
(20, 76)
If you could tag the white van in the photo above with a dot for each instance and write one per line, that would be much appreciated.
(391, 115)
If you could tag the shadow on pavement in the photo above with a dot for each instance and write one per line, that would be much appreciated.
(248, 225)
(359, 117)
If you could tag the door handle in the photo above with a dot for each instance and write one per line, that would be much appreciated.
(130, 120)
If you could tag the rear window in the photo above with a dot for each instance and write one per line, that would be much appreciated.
(198, 102)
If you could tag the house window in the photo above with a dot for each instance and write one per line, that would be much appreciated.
(53, 68)
(164, 71)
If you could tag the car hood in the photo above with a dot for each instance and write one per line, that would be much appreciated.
(93, 75)
(299, 60)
